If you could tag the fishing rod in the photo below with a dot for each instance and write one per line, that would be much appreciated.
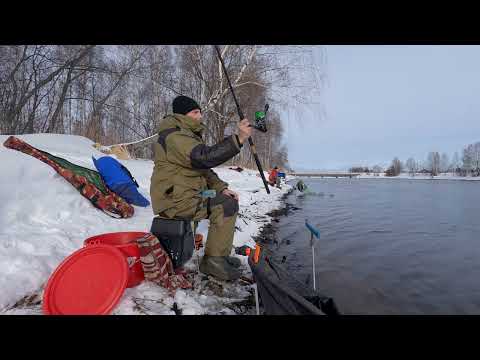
(240, 114)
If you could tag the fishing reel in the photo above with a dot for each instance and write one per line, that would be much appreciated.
(261, 120)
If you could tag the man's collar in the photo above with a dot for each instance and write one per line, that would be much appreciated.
(188, 123)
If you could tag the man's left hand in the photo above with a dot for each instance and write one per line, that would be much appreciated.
(230, 193)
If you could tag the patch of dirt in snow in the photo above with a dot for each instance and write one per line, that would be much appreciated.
(30, 304)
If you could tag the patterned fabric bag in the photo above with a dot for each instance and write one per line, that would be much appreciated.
(88, 182)
(158, 267)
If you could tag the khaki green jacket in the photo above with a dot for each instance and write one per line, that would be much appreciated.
(183, 165)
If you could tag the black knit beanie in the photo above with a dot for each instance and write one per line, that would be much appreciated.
(184, 104)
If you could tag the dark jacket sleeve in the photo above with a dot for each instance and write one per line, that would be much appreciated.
(207, 157)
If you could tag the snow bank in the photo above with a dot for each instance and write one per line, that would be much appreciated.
(43, 219)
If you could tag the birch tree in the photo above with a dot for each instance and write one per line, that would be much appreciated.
(411, 165)
(455, 164)
(433, 163)
(444, 163)
(467, 159)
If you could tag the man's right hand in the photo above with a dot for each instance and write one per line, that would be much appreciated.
(244, 130)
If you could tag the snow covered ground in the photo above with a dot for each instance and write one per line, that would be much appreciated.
(43, 219)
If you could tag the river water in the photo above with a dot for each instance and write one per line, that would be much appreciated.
(387, 246)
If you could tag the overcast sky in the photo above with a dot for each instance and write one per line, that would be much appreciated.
(385, 101)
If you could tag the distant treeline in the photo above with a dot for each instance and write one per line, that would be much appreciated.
(434, 164)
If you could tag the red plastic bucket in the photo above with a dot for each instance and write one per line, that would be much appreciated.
(125, 242)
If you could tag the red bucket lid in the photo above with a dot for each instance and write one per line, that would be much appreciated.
(90, 281)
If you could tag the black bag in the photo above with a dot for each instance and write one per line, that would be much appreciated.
(176, 237)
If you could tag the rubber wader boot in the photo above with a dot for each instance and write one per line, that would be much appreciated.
(219, 267)
(232, 260)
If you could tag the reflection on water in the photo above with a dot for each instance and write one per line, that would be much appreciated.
(388, 246)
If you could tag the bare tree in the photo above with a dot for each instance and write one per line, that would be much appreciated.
(471, 159)
(377, 169)
(433, 163)
(467, 159)
(411, 165)
(476, 158)
(455, 164)
(397, 166)
(25, 76)
(444, 163)
(70, 77)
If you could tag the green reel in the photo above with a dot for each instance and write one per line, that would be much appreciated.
(261, 120)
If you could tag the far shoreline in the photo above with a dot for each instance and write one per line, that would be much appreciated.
(423, 177)
(400, 177)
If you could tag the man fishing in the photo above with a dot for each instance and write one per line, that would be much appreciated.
(273, 176)
(301, 186)
(182, 173)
